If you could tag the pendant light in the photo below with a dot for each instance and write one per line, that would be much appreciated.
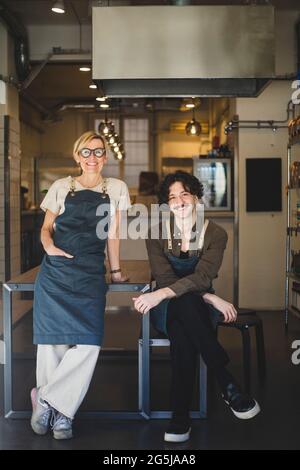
(193, 127)
(59, 7)
(106, 128)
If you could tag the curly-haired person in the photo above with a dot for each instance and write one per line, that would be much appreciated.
(184, 261)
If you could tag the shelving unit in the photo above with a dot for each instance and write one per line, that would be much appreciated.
(291, 231)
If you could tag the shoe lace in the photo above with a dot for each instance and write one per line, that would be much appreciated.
(46, 416)
(60, 419)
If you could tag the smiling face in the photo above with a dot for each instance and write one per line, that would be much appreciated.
(92, 164)
(181, 201)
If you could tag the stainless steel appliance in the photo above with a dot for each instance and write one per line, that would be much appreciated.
(215, 175)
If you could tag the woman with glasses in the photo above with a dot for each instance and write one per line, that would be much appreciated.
(185, 258)
(82, 217)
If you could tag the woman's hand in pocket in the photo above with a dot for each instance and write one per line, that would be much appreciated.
(54, 251)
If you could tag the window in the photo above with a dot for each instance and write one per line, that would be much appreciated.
(136, 144)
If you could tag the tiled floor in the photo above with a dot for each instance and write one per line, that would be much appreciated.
(115, 386)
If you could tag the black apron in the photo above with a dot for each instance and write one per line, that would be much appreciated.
(70, 293)
(182, 267)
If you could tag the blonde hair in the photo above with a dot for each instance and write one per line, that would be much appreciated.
(84, 139)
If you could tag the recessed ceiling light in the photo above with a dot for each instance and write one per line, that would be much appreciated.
(101, 98)
(93, 86)
(59, 7)
(104, 105)
(85, 69)
(190, 105)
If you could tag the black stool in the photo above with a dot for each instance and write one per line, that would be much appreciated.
(246, 319)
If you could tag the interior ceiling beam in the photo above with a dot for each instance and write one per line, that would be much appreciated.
(231, 87)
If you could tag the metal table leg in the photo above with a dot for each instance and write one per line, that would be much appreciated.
(10, 287)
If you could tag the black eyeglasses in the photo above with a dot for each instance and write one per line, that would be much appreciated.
(86, 153)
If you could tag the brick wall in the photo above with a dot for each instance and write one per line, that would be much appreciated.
(15, 229)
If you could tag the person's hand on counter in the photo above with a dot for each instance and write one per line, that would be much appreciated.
(119, 277)
(145, 302)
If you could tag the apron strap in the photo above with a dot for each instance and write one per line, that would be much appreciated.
(201, 238)
(104, 186)
(168, 227)
(72, 186)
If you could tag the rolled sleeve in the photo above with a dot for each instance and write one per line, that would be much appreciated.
(51, 200)
(124, 199)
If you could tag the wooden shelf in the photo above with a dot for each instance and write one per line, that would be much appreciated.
(292, 275)
(294, 311)
(294, 140)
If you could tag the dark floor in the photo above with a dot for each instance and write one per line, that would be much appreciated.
(115, 387)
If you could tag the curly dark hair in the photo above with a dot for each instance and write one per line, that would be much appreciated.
(189, 182)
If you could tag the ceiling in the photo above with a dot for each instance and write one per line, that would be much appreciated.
(39, 11)
(63, 84)
(54, 91)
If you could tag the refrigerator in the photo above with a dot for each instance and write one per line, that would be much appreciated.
(215, 175)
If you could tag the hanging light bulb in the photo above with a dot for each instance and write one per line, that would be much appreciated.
(106, 128)
(112, 138)
(193, 127)
(59, 7)
(120, 156)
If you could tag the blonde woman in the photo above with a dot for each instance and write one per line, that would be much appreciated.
(70, 289)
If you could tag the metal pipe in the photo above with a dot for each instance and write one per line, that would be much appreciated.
(261, 123)
(288, 241)
(21, 44)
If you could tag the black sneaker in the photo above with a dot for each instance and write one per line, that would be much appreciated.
(179, 429)
(242, 406)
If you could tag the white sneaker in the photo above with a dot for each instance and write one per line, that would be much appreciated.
(62, 426)
(179, 429)
(41, 413)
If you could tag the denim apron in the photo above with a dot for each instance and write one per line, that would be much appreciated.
(70, 293)
(182, 267)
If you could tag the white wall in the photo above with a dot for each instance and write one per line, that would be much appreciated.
(262, 235)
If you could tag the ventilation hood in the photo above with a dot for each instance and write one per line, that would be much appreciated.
(177, 51)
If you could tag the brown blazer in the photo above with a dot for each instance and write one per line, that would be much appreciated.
(210, 260)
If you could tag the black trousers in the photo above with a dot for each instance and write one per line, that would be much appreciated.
(191, 333)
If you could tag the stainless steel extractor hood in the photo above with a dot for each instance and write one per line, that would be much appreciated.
(183, 51)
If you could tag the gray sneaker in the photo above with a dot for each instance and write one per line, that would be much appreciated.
(41, 413)
(62, 426)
